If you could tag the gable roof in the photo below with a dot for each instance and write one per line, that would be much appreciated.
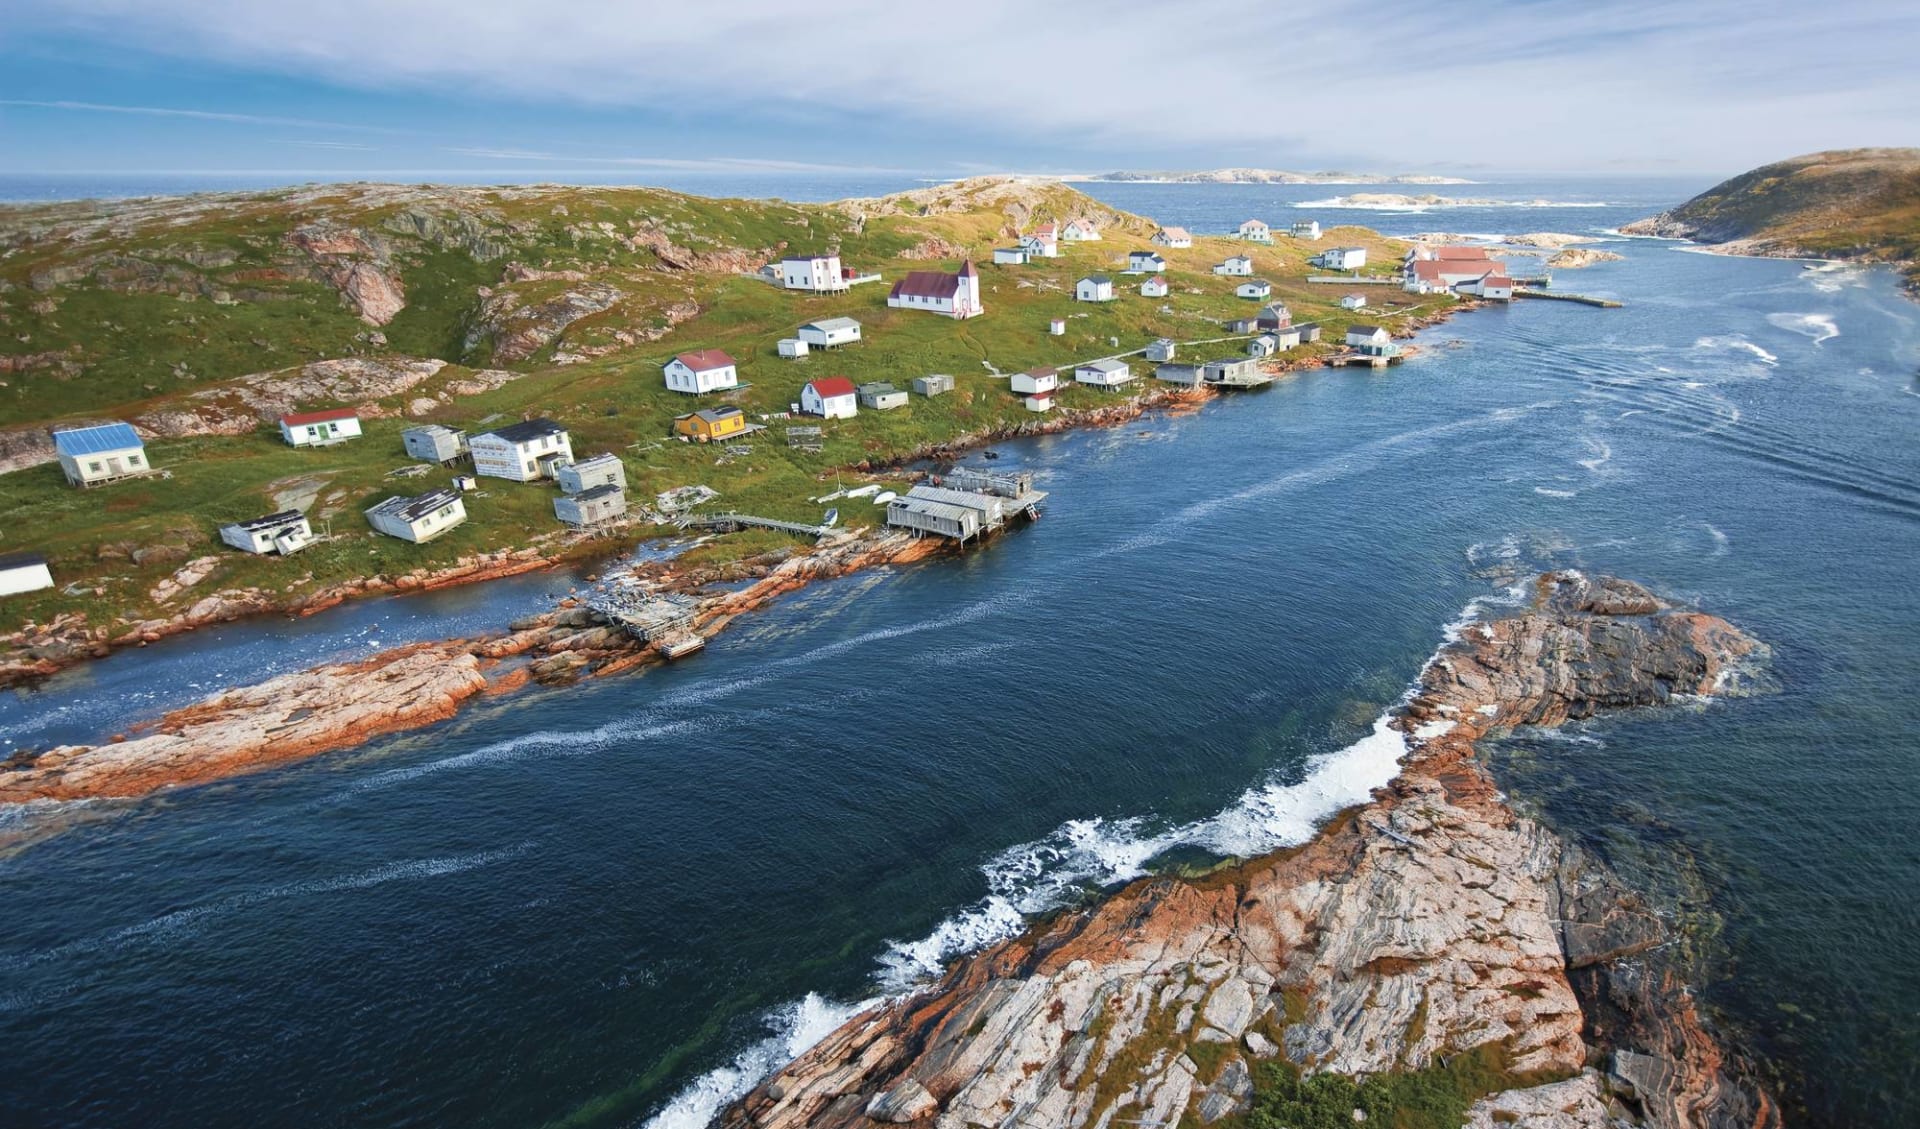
(1098, 280)
(705, 360)
(715, 415)
(1253, 223)
(1458, 251)
(301, 419)
(21, 560)
(413, 509)
(271, 521)
(93, 440)
(926, 284)
(807, 258)
(831, 386)
(1496, 280)
(828, 325)
(1175, 233)
(1108, 365)
(1366, 330)
(524, 431)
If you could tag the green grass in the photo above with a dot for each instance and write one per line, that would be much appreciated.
(614, 403)
(1436, 1097)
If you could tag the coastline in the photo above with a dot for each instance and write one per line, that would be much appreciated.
(337, 706)
(1431, 932)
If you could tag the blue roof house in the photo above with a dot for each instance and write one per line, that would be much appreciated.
(102, 453)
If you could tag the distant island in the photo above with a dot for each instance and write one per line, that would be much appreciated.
(1861, 205)
(1271, 176)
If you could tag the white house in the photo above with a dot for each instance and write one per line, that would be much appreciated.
(1307, 229)
(814, 272)
(954, 295)
(589, 474)
(1255, 288)
(1493, 285)
(791, 347)
(829, 332)
(1439, 275)
(1255, 231)
(1034, 247)
(1371, 340)
(1103, 374)
(1264, 345)
(832, 398)
(419, 518)
(1275, 316)
(1155, 287)
(1162, 349)
(592, 506)
(521, 452)
(1009, 256)
(285, 532)
(434, 443)
(1354, 302)
(1093, 288)
(1172, 237)
(1238, 265)
(1145, 262)
(320, 429)
(1035, 381)
(1285, 338)
(1080, 231)
(24, 572)
(1342, 258)
(703, 370)
(92, 455)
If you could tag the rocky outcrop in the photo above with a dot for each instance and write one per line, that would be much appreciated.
(356, 263)
(238, 406)
(1573, 258)
(1430, 922)
(517, 329)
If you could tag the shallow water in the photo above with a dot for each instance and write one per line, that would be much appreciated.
(623, 901)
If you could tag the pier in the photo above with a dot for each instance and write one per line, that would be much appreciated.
(1583, 299)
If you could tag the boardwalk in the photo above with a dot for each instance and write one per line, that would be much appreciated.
(713, 521)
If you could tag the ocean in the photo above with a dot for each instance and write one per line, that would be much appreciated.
(621, 903)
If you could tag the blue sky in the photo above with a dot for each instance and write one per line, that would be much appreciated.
(400, 86)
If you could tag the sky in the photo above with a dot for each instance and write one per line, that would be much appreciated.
(970, 86)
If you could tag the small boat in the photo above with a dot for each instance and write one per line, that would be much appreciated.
(832, 518)
(884, 497)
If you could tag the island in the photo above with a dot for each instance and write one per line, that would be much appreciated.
(1275, 176)
(1857, 205)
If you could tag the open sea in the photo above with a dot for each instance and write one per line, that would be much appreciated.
(622, 903)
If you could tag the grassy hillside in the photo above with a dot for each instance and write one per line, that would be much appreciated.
(484, 272)
(1861, 204)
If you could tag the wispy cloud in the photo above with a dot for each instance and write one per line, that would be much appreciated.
(330, 146)
(675, 164)
(1541, 82)
(199, 115)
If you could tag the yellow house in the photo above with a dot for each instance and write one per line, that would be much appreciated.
(709, 424)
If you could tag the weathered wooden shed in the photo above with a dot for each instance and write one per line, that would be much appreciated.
(881, 396)
(433, 443)
(600, 470)
(285, 532)
(936, 384)
(591, 506)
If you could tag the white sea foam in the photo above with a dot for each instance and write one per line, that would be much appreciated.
(1737, 343)
(1031, 878)
(1551, 493)
(1820, 327)
(1602, 453)
(796, 1027)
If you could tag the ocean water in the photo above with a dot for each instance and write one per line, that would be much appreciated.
(621, 903)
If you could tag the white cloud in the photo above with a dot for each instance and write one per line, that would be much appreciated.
(1541, 83)
(172, 112)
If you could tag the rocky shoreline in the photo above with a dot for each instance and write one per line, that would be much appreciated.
(340, 705)
(1429, 927)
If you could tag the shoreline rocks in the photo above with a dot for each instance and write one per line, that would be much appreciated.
(1428, 923)
(340, 705)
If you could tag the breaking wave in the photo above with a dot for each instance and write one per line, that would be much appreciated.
(796, 1027)
(1735, 342)
(1396, 203)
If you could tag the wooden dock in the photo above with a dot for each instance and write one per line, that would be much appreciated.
(1583, 299)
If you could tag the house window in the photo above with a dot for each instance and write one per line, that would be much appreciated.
(94, 467)
(529, 467)
(133, 460)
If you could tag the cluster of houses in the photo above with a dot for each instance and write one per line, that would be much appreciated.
(1456, 269)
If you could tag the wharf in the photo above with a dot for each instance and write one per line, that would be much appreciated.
(1583, 299)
